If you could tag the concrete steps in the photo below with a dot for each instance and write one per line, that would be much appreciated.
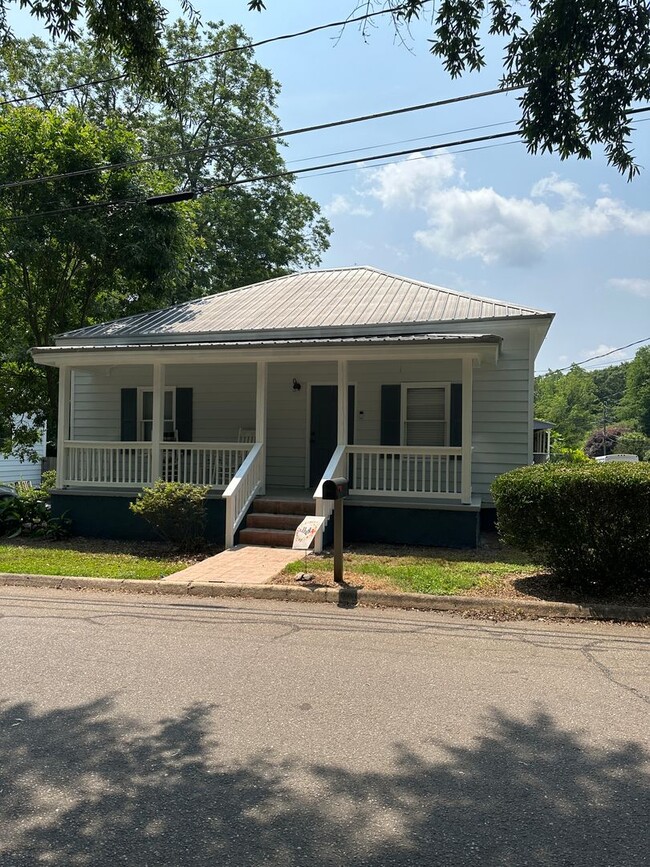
(271, 523)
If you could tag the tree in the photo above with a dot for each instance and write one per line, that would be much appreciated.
(569, 401)
(636, 402)
(75, 263)
(218, 128)
(580, 65)
(633, 443)
(603, 441)
(130, 28)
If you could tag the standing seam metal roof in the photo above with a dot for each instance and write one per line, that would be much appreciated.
(338, 298)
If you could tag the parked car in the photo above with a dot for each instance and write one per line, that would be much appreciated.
(606, 459)
(7, 492)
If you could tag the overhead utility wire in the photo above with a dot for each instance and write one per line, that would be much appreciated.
(275, 175)
(267, 137)
(193, 59)
(602, 355)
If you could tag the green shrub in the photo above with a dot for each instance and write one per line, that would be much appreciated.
(564, 455)
(28, 514)
(588, 522)
(175, 511)
(48, 481)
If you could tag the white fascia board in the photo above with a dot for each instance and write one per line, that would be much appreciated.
(487, 352)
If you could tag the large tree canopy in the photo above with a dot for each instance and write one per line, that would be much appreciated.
(130, 28)
(81, 261)
(580, 64)
(216, 128)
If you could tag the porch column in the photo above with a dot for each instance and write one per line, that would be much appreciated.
(158, 419)
(466, 434)
(342, 427)
(63, 431)
(260, 416)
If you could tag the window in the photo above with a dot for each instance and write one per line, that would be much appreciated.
(145, 414)
(425, 414)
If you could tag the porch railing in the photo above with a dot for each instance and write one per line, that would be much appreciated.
(406, 471)
(104, 463)
(213, 464)
(130, 464)
(243, 488)
(324, 508)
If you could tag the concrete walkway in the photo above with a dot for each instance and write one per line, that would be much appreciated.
(243, 564)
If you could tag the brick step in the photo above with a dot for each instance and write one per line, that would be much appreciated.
(265, 537)
(267, 521)
(283, 507)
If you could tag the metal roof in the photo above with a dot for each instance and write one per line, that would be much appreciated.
(354, 299)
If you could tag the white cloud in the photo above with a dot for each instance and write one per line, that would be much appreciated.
(343, 205)
(610, 352)
(463, 222)
(635, 285)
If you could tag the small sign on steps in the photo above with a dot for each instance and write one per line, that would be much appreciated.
(306, 532)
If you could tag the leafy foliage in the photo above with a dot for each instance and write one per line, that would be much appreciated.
(636, 403)
(633, 443)
(569, 401)
(580, 65)
(60, 271)
(603, 441)
(28, 514)
(589, 523)
(176, 511)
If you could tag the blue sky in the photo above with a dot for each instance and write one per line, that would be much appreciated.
(567, 236)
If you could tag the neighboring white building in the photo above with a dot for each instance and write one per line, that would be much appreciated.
(421, 395)
(13, 469)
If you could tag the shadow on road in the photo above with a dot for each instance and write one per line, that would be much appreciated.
(88, 786)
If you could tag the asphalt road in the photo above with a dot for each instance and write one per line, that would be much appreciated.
(163, 731)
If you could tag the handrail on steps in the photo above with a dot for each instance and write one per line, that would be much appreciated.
(242, 490)
(324, 508)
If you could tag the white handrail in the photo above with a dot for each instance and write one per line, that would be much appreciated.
(324, 508)
(242, 490)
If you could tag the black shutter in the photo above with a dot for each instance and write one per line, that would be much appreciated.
(129, 415)
(391, 421)
(184, 414)
(456, 414)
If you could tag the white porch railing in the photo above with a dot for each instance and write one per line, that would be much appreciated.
(129, 464)
(213, 464)
(406, 471)
(324, 508)
(106, 463)
(241, 491)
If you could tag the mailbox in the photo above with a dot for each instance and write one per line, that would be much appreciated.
(335, 489)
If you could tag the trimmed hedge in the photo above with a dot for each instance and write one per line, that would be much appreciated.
(588, 522)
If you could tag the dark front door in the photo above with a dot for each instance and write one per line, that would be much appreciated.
(323, 425)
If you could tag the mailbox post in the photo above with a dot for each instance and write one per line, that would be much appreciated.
(337, 490)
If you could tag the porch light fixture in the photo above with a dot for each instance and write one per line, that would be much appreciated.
(296, 385)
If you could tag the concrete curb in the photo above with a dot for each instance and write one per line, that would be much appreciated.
(343, 596)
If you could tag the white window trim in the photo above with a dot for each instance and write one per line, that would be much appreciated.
(140, 420)
(403, 403)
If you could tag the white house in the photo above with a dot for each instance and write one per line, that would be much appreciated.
(13, 469)
(421, 395)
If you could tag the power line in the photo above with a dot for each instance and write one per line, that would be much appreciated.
(267, 137)
(185, 60)
(289, 173)
(602, 355)
(279, 175)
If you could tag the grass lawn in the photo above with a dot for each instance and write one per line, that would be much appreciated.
(94, 558)
(425, 570)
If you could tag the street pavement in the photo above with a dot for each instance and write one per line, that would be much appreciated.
(168, 731)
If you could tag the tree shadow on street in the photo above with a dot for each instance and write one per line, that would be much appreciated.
(86, 785)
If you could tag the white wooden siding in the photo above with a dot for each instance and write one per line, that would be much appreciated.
(12, 469)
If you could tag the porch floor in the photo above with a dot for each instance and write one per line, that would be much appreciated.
(243, 564)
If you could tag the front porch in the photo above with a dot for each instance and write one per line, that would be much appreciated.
(281, 434)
